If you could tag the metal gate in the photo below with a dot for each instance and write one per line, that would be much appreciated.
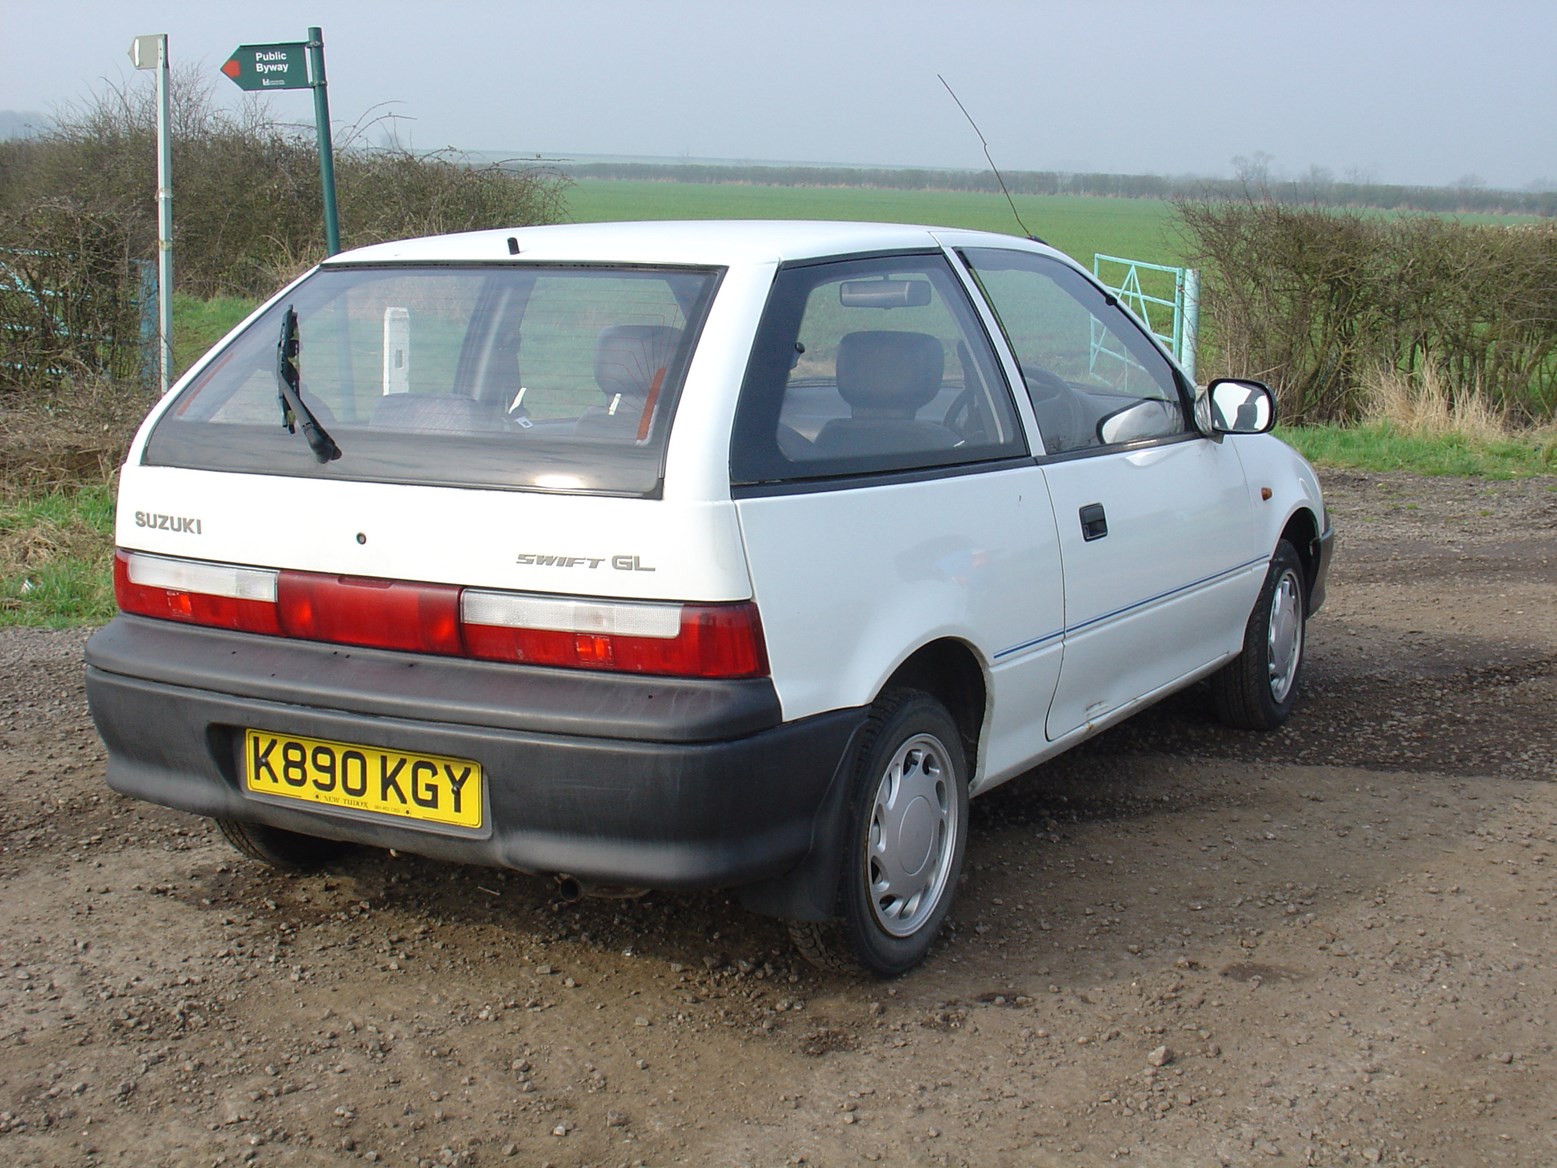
(1170, 315)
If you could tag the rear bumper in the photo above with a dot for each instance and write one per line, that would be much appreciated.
(626, 780)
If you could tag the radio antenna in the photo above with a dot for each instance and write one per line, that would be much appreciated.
(984, 142)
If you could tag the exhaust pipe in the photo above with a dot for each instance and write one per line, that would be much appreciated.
(571, 890)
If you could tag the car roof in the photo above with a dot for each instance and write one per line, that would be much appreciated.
(713, 242)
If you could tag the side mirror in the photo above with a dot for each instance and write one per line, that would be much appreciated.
(1236, 406)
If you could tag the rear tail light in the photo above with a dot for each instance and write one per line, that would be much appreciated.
(220, 595)
(681, 640)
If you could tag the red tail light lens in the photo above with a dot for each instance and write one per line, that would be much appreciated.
(382, 614)
(662, 639)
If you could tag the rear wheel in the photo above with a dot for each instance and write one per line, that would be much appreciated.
(906, 834)
(280, 848)
(1257, 689)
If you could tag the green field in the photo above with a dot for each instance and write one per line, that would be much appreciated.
(1079, 225)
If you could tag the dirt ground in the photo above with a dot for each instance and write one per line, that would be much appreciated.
(1178, 945)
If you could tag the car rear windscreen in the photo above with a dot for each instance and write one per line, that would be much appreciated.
(531, 377)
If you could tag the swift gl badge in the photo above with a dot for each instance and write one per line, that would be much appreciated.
(154, 521)
(619, 563)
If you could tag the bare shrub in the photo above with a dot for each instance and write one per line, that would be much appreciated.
(247, 201)
(1427, 403)
(1316, 301)
(69, 296)
(78, 204)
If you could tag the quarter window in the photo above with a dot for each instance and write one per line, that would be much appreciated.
(870, 366)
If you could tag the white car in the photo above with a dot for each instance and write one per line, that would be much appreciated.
(687, 555)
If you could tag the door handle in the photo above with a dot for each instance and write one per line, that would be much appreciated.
(1094, 522)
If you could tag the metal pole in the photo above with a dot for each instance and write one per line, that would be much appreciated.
(1191, 320)
(332, 227)
(164, 213)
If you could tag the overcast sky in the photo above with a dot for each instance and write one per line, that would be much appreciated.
(1425, 91)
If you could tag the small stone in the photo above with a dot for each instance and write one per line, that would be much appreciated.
(1160, 1057)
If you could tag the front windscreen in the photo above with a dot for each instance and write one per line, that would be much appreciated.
(527, 377)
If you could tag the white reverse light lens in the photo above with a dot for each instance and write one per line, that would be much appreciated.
(565, 615)
(207, 579)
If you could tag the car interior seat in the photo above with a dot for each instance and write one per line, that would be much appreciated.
(886, 377)
(631, 361)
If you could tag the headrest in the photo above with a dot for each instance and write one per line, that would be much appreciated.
(627, 356)
(889, 373)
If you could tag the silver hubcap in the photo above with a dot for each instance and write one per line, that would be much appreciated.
(1285, 636)
(913, 823)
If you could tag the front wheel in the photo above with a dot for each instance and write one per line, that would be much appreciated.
(1257, 689)
(906, 834)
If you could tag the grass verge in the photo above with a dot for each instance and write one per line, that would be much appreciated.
(199, 324)
(1384, 446)
(56, 553)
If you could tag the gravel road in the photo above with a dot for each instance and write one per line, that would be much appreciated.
(1178, 945)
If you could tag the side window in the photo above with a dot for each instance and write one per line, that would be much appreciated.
(1094, 377)
(868, 366)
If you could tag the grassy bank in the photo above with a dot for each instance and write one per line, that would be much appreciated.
(55, 556)
(199, 324)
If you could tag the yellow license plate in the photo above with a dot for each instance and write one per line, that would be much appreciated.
(428, 788)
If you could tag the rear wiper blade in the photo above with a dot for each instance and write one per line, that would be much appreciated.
(289, 394)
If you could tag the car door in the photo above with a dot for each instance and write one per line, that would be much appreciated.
(1155, 521)
(888, 497)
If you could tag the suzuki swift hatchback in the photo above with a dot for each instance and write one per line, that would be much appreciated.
(687, 555)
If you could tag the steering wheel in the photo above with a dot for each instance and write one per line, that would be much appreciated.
(1060, 420)
(1044, 384)
(968, 416)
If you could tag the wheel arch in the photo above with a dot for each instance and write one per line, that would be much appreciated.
(1302, 532)
(950, 671)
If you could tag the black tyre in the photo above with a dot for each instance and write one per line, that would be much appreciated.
(904, 843)
(1257, 689)
(280, 848)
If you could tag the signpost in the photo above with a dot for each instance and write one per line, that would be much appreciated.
(295, 65)
(151, 52)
